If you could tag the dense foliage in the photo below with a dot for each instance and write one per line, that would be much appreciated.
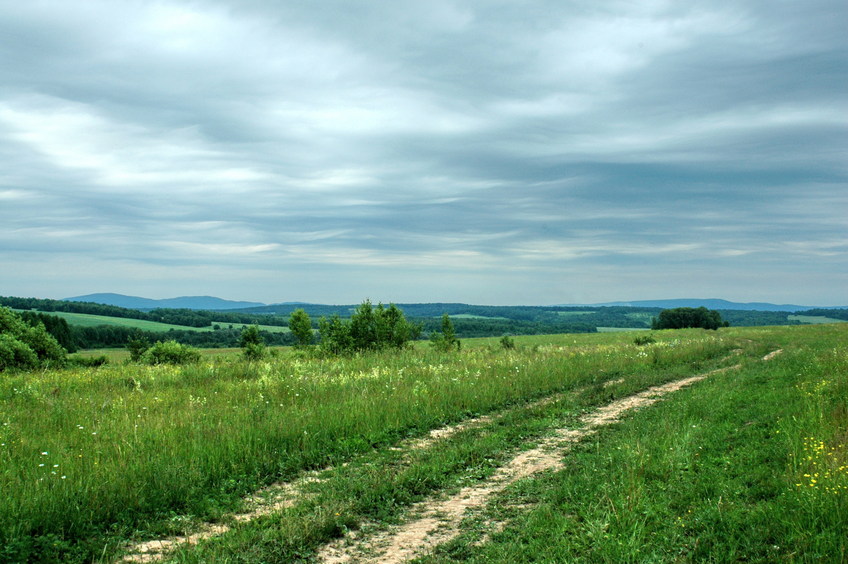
(687, 317)
(23, 346)
(369, 329)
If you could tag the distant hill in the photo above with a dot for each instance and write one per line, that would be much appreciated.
(184, 302)
(713, 304)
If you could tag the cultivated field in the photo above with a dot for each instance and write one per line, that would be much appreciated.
(566, 448)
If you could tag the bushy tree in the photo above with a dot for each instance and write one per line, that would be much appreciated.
(171, 352)
(686, 317)
(301, 327)
(138, 345)
(252, 343)
(335, 335)
(445, 341)
(25, 347)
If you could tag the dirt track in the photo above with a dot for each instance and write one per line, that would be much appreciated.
(435, 521)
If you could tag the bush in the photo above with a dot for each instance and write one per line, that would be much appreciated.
(171, 352)
(646, 340)
(88, 361)
(507, 342)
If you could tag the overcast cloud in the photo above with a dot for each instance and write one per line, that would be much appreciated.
(487, 152)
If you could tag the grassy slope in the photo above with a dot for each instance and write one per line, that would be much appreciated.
(88, 320)
(747, 466)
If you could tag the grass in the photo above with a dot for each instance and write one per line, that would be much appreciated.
(89, 320)
(92, 457)
(747, 466)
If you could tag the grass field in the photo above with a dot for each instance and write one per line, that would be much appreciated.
(88, 320)
(750, 464)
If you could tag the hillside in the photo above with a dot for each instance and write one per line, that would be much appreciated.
(145, 304)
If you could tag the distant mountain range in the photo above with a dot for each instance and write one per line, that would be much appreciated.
(213, 303)
(184, 302)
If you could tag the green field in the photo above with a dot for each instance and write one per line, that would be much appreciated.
(472, 316)
(88, 320)
(814, 319)
(749, 464)
(574, 313)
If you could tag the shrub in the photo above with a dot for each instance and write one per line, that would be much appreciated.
(171, 352)
(644, 340)
(507, 342)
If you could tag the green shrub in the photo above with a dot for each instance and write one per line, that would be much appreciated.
(171, 352)
(644, 340)
(507, 342)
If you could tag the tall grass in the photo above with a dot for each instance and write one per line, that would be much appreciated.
(750, 465)
(93, 454)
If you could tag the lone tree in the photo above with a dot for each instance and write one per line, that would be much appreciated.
(252, 343)
(301, 327)
(445, 341)
(686, 317)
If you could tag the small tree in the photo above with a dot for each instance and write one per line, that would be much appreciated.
(335, 335)
(252, 343)
(301, 327)
(445, 341)
(137, 345)
(507, 342)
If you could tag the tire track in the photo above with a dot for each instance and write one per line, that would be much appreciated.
(438, 521)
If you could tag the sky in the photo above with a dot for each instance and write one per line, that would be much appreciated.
(488, 152)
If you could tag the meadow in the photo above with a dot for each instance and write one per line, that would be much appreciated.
(750, 464)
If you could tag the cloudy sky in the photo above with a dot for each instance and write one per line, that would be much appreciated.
(489, 152)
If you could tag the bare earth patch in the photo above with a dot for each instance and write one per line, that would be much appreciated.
(437, 521)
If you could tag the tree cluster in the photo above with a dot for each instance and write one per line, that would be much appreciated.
(24, 347)
(369, 329)
(687, 317)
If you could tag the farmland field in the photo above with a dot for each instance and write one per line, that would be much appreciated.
(814, 319)
(89, 320)
(272, 461)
